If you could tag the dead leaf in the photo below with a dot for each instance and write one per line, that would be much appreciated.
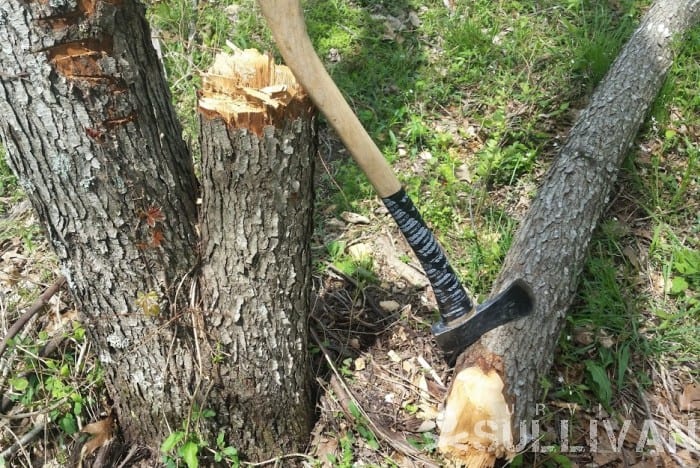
(605, 340)
(102, 433)
(604, 457)
(153, 215)
(583, 336)
(325, 447)
(689, 400)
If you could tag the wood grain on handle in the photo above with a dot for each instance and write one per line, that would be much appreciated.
(286, 21)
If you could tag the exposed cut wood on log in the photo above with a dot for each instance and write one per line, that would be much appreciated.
(499, 375)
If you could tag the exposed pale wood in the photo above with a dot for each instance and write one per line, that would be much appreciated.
(550, 247)
(258, 144)
(249, 91)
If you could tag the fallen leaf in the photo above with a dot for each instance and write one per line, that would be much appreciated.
(153, 215)
(327, 446)
(689, 400)
(583, 337)
(102, 433)
(360, 364)
(604, 457)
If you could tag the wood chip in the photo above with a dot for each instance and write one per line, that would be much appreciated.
(389, 306)
(393, 356)
(426, 426)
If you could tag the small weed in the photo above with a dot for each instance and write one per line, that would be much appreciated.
(59, 386)
(358, 267)
(9, 187)
(186, 446)
(427, 442)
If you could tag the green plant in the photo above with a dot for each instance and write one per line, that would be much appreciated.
(186, 445)
(60, 385)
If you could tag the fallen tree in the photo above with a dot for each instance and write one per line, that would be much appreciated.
(494, 391)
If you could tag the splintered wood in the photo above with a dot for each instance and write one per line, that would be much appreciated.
(248, 90)
(476, 424)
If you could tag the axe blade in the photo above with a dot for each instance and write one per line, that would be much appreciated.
(513, 303)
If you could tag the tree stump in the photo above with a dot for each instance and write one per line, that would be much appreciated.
(493, 395)
(258, 144)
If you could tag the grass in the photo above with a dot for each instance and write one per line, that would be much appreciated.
(470, 106)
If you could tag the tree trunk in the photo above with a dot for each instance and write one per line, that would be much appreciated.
(87, 121)
(257, 140)
(89, 130)
(496, 381)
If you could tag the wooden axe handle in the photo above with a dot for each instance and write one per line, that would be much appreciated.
(286, 21)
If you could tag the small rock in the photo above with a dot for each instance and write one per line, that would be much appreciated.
(353, 218)
(389, 306)
(426, 155)
(462, 173)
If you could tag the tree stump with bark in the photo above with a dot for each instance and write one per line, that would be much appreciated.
(258, 144)
(493, 395)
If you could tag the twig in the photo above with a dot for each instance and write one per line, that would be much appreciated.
(650, 417)
(24, 440)
(345, 395)
(36, 307)
(278, 459)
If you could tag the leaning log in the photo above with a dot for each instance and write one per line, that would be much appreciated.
(258, 146)
(495, 387)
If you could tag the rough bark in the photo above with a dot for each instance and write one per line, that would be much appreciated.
(86, 118)
(258, 142)
(550, 246)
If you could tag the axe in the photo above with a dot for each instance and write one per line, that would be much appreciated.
(461, 323)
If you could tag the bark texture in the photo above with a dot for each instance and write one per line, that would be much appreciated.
(258, 145)
(86, 119)
(550, 246)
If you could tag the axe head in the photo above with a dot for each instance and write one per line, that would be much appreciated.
(511, 304)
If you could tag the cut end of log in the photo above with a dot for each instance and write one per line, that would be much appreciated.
(476, 427)
(247, 90)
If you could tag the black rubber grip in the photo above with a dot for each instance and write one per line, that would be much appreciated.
(453, 301)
